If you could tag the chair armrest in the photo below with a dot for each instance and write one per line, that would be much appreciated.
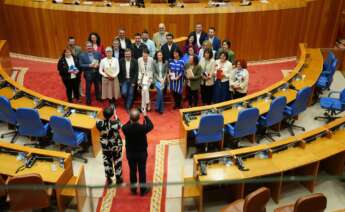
(287, 109)
(333, 92)
(195, 132)
(263, 117)
(229, 126)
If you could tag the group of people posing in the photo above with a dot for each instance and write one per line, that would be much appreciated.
(204, 65)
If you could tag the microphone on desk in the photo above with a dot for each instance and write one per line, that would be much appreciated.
(245, 3)
(107, 3)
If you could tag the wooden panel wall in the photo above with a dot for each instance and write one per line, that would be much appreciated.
(255, 35)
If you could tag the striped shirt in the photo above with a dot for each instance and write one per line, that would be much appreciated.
(177, 69)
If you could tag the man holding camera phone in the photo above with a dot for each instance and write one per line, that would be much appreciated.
(136, 148)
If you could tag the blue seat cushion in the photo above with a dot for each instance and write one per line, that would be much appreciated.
(200, 139)
(331, 103)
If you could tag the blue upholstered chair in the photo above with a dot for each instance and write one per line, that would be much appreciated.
(30, 124)
(325, 80)
(296, 107)
(273, 117)
(210, 130)
(8, 116)
(327, 63)
(245, 125)
(333, 106)
(64, 134)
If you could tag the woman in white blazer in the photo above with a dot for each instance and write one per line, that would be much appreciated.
(145, 78)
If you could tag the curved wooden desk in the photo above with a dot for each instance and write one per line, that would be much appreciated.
(9, 165)
(302, 155)
(259, 31)
(83, 118)
(306, 73)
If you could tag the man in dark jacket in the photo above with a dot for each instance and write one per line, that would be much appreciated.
(138, 47)
(128, 77)
(136, 149)
(168, 48)
(199, 35)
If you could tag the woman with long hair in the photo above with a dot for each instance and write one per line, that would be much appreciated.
(68, 66)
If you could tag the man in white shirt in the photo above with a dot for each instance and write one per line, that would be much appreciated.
(125, 43)
(199, 34)
(128, 77)
(149, 43)
(168, 48)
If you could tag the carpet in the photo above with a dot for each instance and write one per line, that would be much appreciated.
(43, 78)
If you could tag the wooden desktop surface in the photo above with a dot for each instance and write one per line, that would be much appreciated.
(9, 163)
(259, 31)
(304, 160)
(51, 172)
(285, 160)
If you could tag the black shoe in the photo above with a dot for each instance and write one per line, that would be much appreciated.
(134, 191)
(119, 181)
(144, 191)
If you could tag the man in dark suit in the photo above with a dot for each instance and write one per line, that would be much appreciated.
(168, 48)
(125, 43)
(138, 46)
(136, 148)
(89, 62)
(199, 35)
(128, 77)
(211, 36)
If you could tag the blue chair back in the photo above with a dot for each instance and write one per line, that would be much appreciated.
(276, 112)
(29, 123)
(7, 114)
(330, 58)
(246, 122)
(63, 132)
(326, 78)
(210, 129)
(301, 102)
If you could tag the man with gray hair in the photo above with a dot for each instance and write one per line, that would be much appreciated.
(160, 37)
(136, 148)
(89, 62)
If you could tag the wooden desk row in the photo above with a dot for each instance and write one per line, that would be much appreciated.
(51, 172)
(305, 74)
(83, 118)
(302, 155)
